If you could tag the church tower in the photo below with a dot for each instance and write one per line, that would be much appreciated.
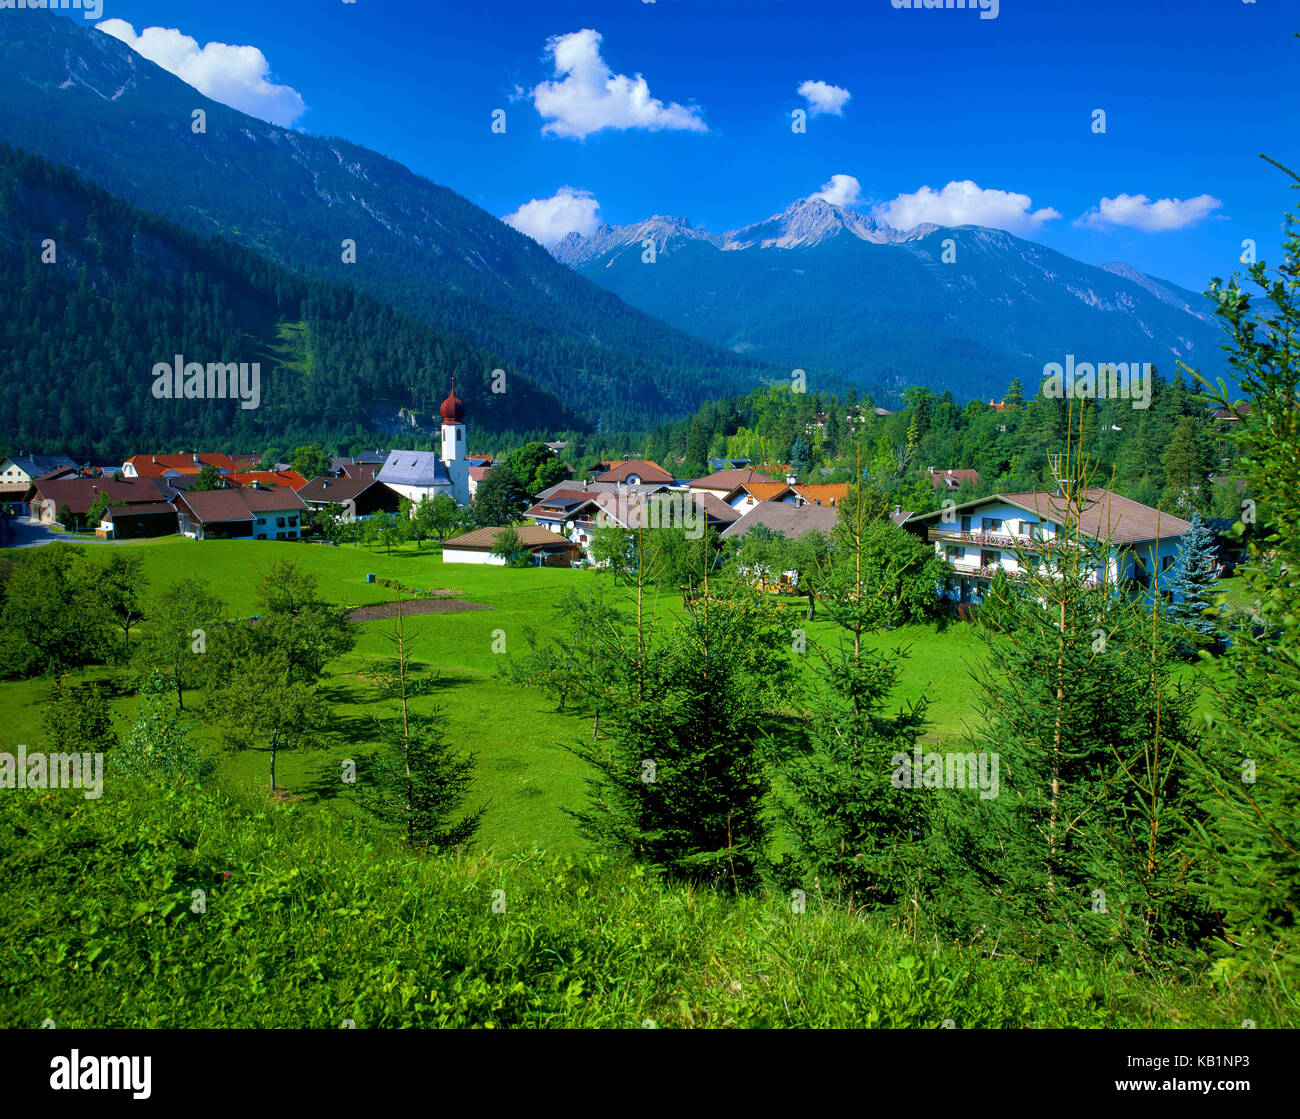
(453, 445)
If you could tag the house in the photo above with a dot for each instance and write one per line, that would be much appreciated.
(576, 513)
(747, 496)
(418, 474)
(213, 515)
(1232, 415)
(1019, 531)
(634, 472)
(137, 522)
(47, 498)
(723, 482)
(792, 522)
(476, 475)
(162, 466)
(950, 480)
(359, 497)
(548, 549)
(260, 514)
(23, 470)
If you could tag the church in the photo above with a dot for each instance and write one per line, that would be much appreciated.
(418, 474)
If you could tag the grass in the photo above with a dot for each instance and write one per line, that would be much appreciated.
(525, 775)
(301, 925)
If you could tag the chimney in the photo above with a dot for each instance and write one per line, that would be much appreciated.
(155, 460)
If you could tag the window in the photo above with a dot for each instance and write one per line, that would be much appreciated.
(991, 524)
(261, 536)
(965, 523)
(1166, 563)
(458, 432)
(956, 553)
(1033, 528)
(279, 522)
(989, 559)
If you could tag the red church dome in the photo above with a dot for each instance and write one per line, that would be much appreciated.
(453, 408)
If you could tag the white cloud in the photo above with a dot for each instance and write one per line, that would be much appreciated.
(546, 220)
(965, 203)
(842, 190)
(235, 76)
(824, 98)
(1138, 212)
(591, 97)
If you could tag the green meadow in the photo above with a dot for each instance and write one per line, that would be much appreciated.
(525, 775)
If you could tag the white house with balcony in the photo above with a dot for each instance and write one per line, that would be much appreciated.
(1023, 532)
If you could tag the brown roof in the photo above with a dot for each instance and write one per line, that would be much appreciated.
(728, 480)
(792, 521)
(361, 469)
(533, 537)
(952, 478)
(154, 466)
(478, 473)
(324, 490)
(211, 506)
(1104, 515)
(273, 500)
(644, 469)
(79, 494)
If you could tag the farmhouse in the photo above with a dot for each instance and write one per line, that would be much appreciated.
(47, 499)
(213, 515)
(1017, 532)
(548, 548)
(23, 470)
(274, 514)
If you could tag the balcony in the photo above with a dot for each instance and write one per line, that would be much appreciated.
(997, 540)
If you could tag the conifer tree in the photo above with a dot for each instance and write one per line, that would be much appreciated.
(1251, 851)
(1193, 581)
(417, 782)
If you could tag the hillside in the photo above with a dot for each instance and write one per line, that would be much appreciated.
(83, 99)
(127, 290)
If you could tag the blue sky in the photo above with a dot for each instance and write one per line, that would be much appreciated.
(1192, 91)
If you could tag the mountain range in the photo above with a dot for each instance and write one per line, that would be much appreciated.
(966, 309)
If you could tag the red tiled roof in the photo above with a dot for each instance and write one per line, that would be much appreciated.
(287, 478)
(646, 470)
(155, 466)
